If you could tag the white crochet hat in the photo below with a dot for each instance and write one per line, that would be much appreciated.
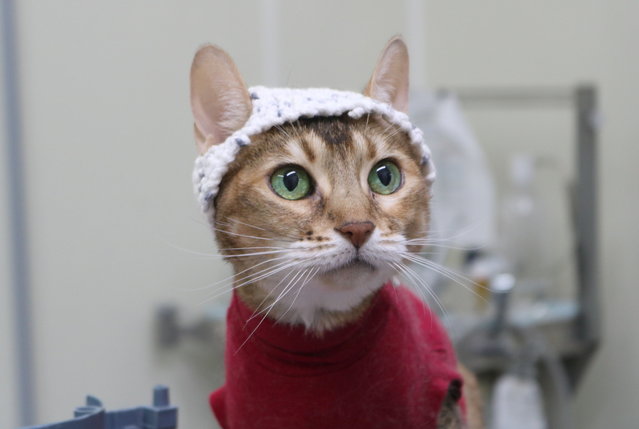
(277, 106)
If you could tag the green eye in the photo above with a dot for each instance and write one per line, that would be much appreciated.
(384, 177)
(291, 182)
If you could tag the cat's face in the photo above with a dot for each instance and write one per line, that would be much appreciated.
(317, 214)
(358, 194)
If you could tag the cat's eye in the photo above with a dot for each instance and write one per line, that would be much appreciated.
(385, 177)
(291, 182)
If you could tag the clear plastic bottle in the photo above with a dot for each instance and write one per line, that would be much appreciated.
(523, 233)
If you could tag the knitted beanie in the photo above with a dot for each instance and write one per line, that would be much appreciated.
(277, 106)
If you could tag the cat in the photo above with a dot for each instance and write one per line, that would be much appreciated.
(317, 207)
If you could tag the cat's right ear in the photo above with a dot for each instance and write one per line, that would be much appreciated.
(389, 82)
(219, 98)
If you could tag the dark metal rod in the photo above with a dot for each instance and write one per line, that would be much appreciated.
(17, 219)
(588, 323)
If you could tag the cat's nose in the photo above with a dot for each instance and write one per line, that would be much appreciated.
(356, 232)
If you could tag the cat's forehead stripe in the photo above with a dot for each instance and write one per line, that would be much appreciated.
(297, 150)
(307, 147)
(370, 146)
(273, 107)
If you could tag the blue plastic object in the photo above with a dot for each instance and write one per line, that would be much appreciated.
(161, 415)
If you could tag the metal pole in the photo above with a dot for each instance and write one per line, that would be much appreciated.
(588, 322)
(17, 219)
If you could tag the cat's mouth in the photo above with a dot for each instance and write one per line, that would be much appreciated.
(355, 264)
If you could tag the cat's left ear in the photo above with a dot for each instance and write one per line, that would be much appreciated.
(389, 82)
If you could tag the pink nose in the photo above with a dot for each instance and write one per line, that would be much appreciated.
(356, 232)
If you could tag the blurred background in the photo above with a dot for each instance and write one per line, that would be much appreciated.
(102, 244)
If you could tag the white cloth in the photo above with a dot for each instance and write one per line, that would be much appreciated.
(517, 404)
(463, 209)
(277, 106)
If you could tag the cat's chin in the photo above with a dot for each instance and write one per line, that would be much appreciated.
(328, 300)
(354, 268)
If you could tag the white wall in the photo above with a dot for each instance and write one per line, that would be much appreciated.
(109, 152)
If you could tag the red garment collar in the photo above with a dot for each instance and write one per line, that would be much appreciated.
(391, 368)
(274, 343)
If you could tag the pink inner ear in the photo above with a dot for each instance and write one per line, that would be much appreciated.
(219, 99)
(389, 82)
(206, 112)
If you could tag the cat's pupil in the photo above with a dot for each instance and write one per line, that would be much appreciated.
(384, 174)
(291, 179)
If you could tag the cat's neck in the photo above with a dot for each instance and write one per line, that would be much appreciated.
(318, 322)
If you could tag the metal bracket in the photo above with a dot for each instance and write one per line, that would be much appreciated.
(582, 334)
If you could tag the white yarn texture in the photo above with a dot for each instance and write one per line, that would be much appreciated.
(277, 106)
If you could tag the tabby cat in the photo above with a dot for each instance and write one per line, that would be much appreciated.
(316, 214)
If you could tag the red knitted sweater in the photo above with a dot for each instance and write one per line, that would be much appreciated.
(390, 369)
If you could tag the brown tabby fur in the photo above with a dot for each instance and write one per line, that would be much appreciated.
(338, 154)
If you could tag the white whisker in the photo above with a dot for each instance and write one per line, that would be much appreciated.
(256, 227)
(257, 253)
(231, 277)
(427, 288)
(280, 296)
(402, 269)
(456, 277)
(252, 248)
(311, 274)
(289, 285)
(431, 243)
(246, 235)
(274, 288)
(251, 278)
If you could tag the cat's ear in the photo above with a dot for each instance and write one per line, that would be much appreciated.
(389, 82)
(219, 98)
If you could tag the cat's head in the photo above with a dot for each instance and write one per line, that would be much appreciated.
(316, 213)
